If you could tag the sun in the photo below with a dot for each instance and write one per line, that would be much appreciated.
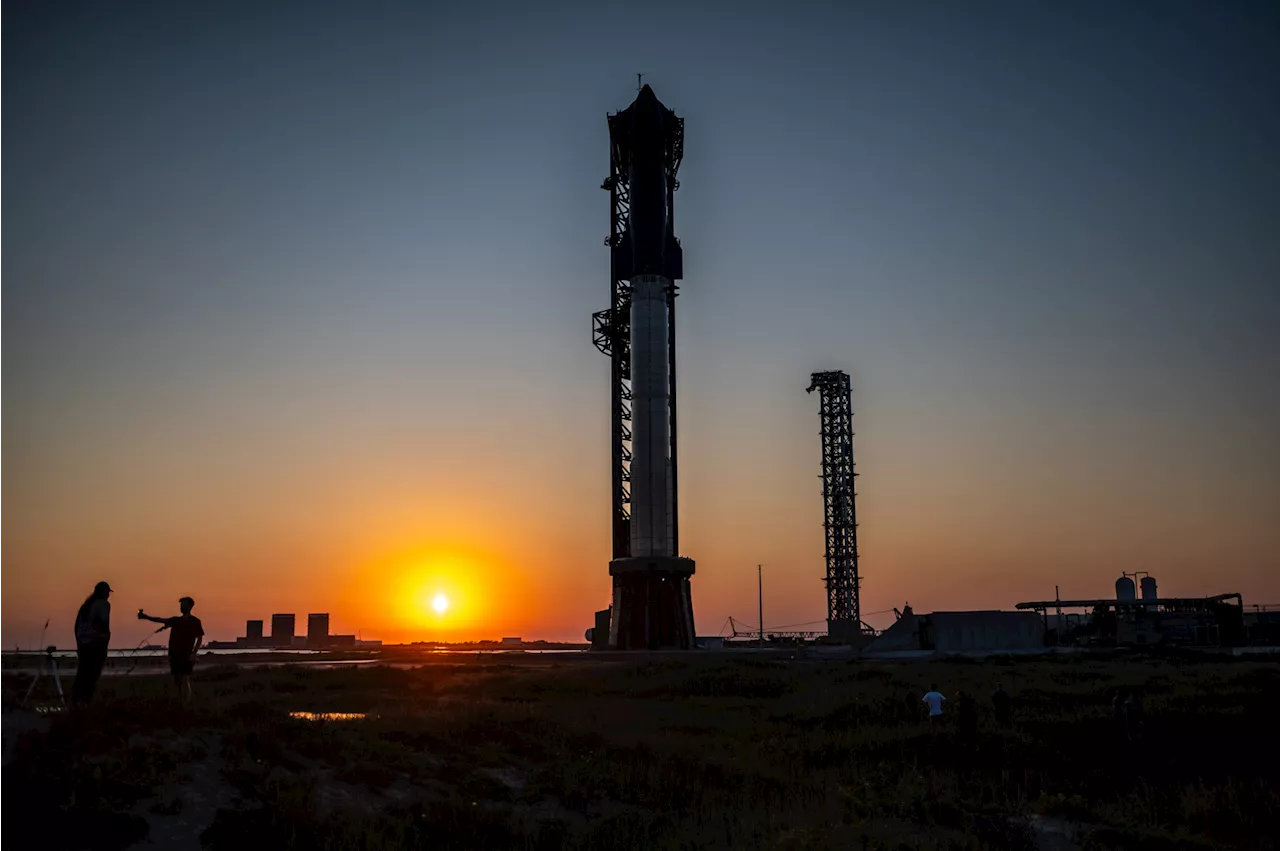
(440, 603)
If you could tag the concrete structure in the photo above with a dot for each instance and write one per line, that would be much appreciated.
(318, 629)
(253, 632)
(961, 632)
(598, 635)
(282, 631)
(516, 640)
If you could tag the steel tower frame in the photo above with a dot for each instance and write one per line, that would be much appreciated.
(611, 334)
(835, 409)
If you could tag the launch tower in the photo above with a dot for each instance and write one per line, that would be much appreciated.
(835, 408)
(652, 606)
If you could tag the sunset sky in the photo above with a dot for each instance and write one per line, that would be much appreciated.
(298, 304)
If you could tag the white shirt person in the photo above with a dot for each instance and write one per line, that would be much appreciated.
(934, 700)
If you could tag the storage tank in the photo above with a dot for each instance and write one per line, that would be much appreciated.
(1148, 588)
(1125, 589)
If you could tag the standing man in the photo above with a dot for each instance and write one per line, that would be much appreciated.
(934, 700)
(93, 634)
(186, 636)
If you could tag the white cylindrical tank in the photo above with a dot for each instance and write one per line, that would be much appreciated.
(1148, 586)
(652, 529)
(1125, 589)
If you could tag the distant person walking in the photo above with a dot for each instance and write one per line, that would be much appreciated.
(93, 635)
(1002, 706)
(933, 699)
(186, 637)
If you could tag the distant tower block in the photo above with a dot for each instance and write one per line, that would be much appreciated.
(318, 629)
(282, 630)
(844, 612)
(652, 603)
(253, 631)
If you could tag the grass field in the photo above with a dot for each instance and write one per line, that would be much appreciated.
(713, 750)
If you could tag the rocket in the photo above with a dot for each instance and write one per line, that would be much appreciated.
(651, 601)
(655, 261)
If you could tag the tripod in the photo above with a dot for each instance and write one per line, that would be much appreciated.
(48, 665)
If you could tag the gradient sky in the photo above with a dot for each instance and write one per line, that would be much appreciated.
(297, 303)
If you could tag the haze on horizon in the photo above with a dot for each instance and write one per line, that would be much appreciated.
(299, 302)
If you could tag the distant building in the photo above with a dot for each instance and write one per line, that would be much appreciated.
(318, 629)
(1216, 621)
(961, 632)
(282, 632)
(512, 640)
(253, 632)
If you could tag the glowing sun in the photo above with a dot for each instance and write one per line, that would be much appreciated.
(440, 603)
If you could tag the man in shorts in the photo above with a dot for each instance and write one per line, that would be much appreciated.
(186, 636)
(934, 700)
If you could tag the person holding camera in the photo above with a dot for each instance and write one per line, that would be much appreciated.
(186, 636)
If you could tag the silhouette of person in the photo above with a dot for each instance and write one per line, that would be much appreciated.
(934, 700)
(93, 635)
(1002, 705)
(186, 636)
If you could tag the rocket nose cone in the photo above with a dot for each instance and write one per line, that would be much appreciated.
(648, 110)
(647, 100)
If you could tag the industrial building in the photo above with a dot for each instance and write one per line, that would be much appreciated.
(283, 636)
(282, 630)
(1262, 626)
(960, 632)
(1145, 619)
(318, 630)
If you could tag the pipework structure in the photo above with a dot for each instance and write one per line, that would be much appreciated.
(652, 604)
(835, 408)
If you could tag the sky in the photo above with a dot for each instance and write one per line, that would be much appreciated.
(297, 304)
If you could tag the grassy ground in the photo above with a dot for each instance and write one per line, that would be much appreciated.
(708, 751)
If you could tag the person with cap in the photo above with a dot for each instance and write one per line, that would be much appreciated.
(186, 636)
(93, 635)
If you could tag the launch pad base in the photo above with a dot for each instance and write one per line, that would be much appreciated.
(652, 603)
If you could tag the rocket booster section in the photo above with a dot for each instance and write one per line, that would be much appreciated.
(649, 247)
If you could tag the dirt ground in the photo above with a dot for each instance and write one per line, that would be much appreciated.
(701, 751)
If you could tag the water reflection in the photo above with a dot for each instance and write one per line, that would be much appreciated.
(329, 716)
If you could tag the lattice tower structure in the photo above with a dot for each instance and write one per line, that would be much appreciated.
(835, 409)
